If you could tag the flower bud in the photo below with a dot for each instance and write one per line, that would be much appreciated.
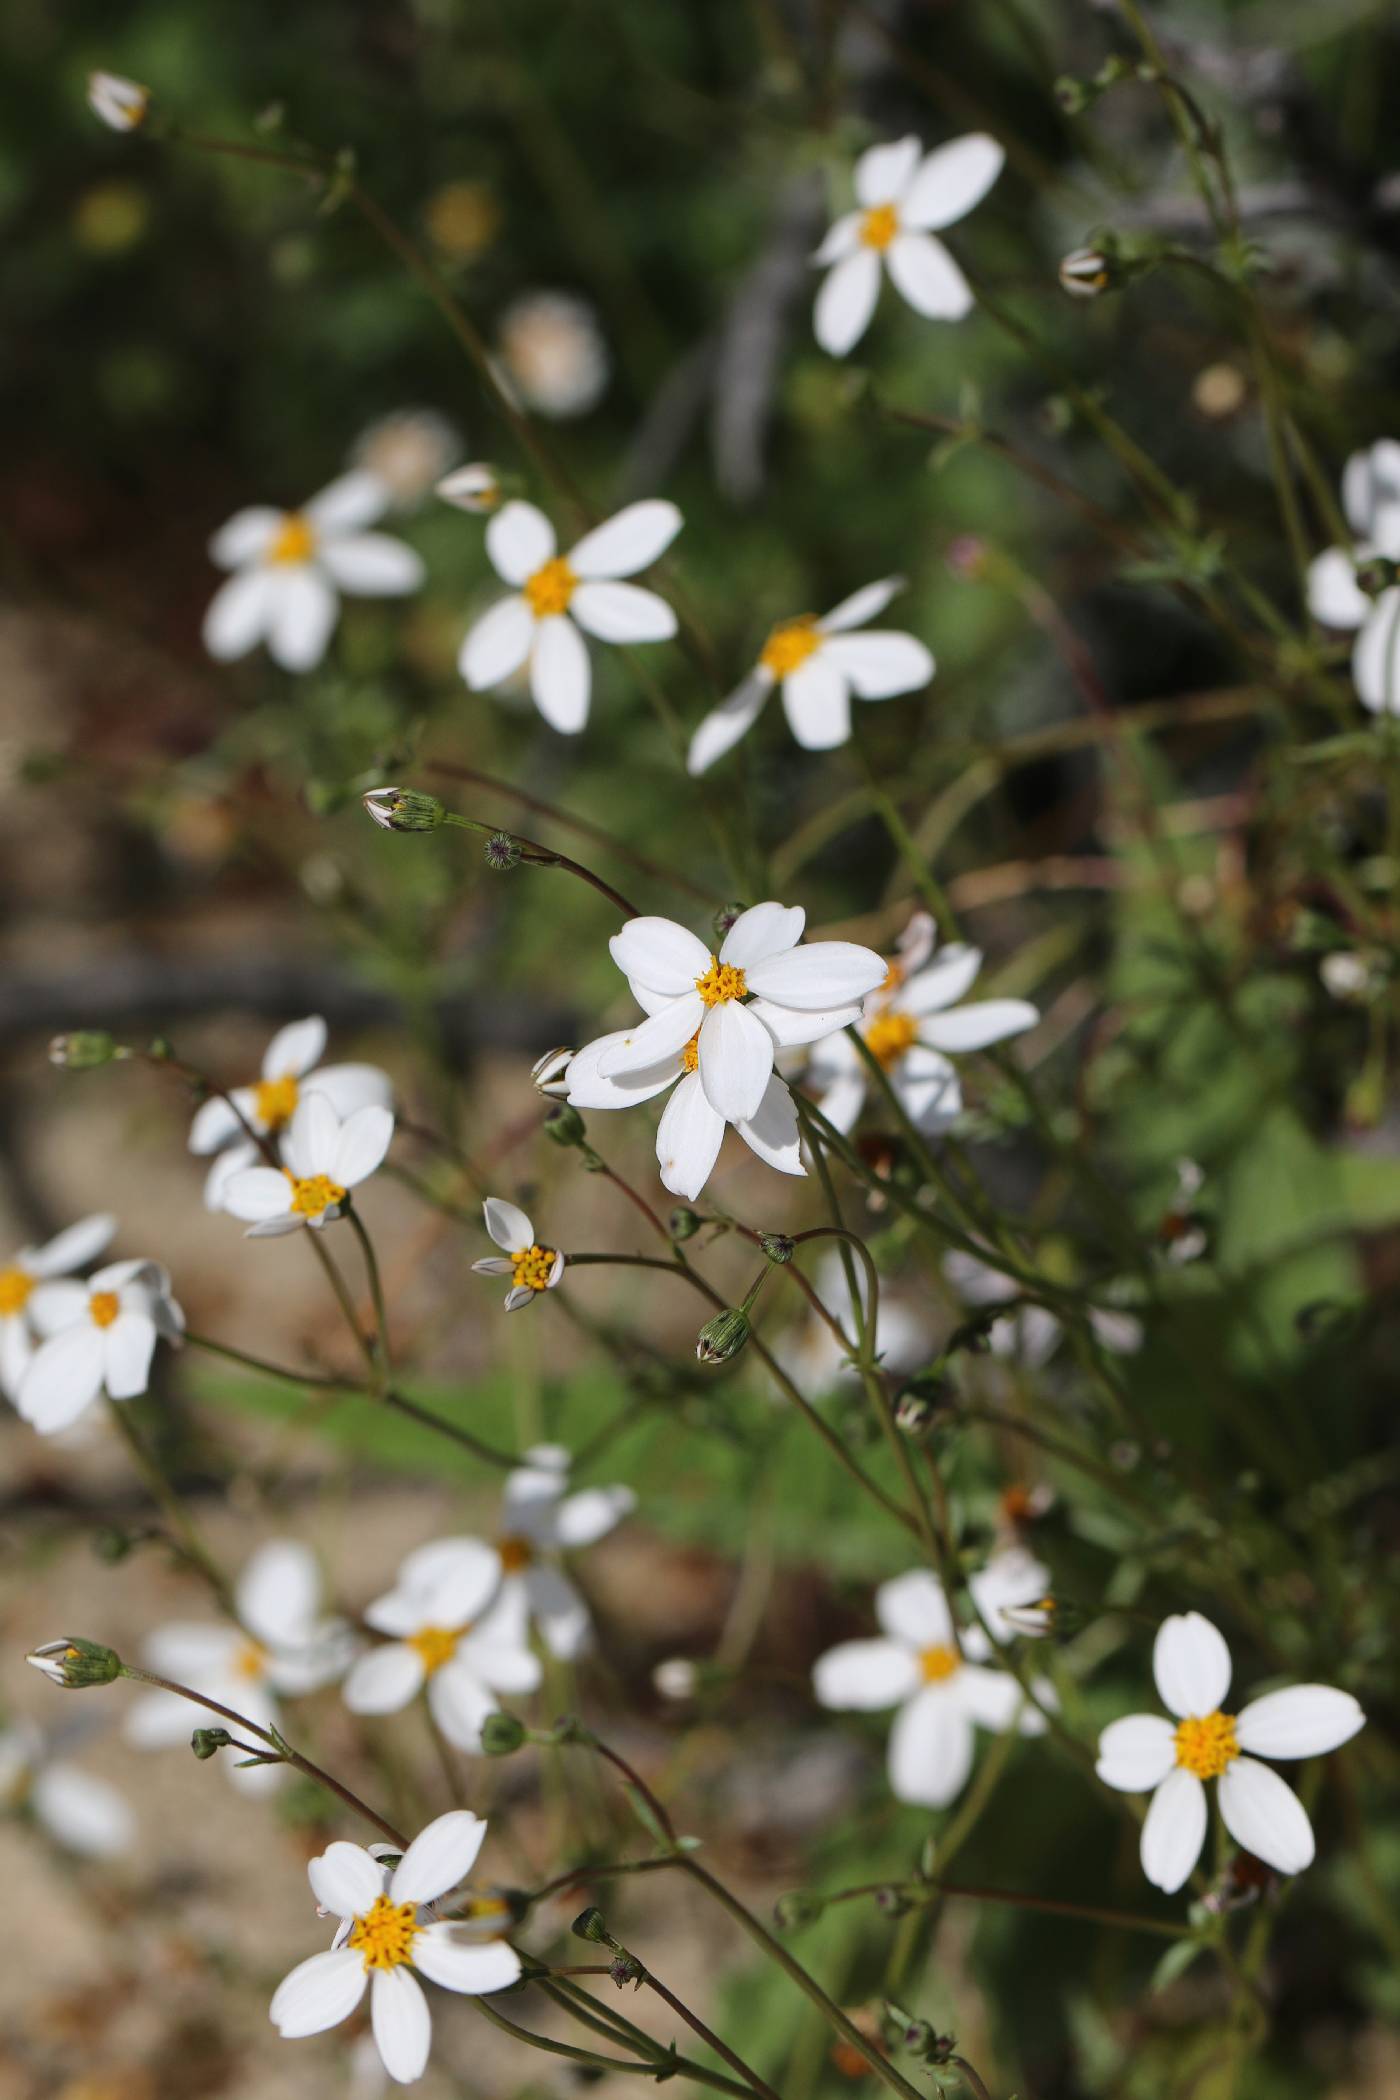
(549, 1074)
(121, 104)
(724, 918)
(1086, 273)
(206, 1742)
(683, 1223)
(676, 1677)
(403, 809)
(892, 1901)
(797, 1907)
(502, 852)
(724, 1336)
(591, 1925)
(84, 1050)
(111, 1544)
(1376, 575)
(1072, 95)
(476, 488)
(915, 1413)
(564, 1125)
(778, 1246)
(75, 1663)
(501, 1735)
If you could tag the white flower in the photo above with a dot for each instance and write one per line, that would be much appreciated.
(101, 1336)
(676, 1677)
(453, 1631)
(20, 1276)
(281, 1646)
(813, 1358)
(1032, 1333)
(476, 488)
(1182, 1230)
(903, 199)
(324, 1159)
(1350, 976)
(714, 1023)
(531, 1268)
(941, 1695)
(121, 104)
(539, 1520)
(819, 664)
(553, 353)
(83, 1814)
(407, 452)
(1371, 500)
(291, 1069)
(554, 591)
(290, 567)
(909, 1023)
(1144, 1753)
(388, 1932)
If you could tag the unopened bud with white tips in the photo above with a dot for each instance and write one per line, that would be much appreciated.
(74, 1663)
(121, 104)
(549, 1074)
(404, 809)
(476, 488)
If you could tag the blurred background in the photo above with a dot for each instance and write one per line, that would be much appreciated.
(624, 199)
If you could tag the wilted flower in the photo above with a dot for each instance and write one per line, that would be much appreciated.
(1371, 500)
(531, 1268)
(121, 104)
(553, 354)
(100, 1337)
(19, 1278)
(325, 1159)
(291, 1071)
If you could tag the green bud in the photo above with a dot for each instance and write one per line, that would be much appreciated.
(778, 1246)
(205, 1742)
(84, 1050)
(1376, 575)
(112, 1544)
(591, 1925)
(75, 1663)
(404, 809)
(724, 1336)
(796, 1908)
(1072, 95)
(501, 1735)
(564, 1125)
(683, 1223)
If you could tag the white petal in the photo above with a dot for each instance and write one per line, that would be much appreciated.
(974, 1027)
(302, 614)
(497, 644)
(191, 1651)
(1174, 1830)
(790, 1029)
(493, 1265)
(63, 1379)
(214, 1124)
(927, 1087)
(313, 1135)
(1375, 660)
(588, 1088)
(403, 2026)
(591, 1514)
(846, 301)
(841, 239)
(348, 1087)
(865, 1676)
(1262, 1813)
(71, 1249)
(440, 1856)
(238, 614)
(822, 974)
(944, 982)
(817, 702)
(1304, 1721)
(279, 1592)
(931, 1749)
(295, 1050)
(347, 505)
(772, 1132)
(508, 1225)
(843, 1100)
(519, 540)
(1334, 595)
(665, 956)
(629, 542)
(83, 1813)
(455, 1957)
(559, 674)
(883, 173)
(913, 1609)
(158, 1721)
(1191, 1664)
(621, 612)
(345, 1879)
(660, 1037)
(127, 1348)
(374, 565)
(881, 662)
(1136, 1753)
(950, 181)
(234, 1159)
(257, 1193)
(736, 1061)
(688, 1139)
(560, 1612)
(246, 537)
(383, 1680)
(459, 1705)
(761, 931)
(319, 1993)
(16, 1355)
(862, 605)
(925, 274)
(1370, 481)
(992, 1697)
(722, 728)
(361, 1145)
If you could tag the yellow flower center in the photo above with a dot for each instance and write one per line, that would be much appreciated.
(275, 1100)
(690, 1056)
(15, 1287)
(888, 1036)
(314, 1195)
(516, 1552)
(879, 226)
(1207, 1745)
(250, 1660)
(548, 591)
(295, 541)
(103, 1306)
(434, 1645)
(385, 1933)
(790, 645)
(720, 983)
(938, 1662)
(533, 1266)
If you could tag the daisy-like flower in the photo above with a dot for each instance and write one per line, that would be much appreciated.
(324, 1159)
(539, 1520)
(1172, 1760)
(282, 1645)
(291, 1068)
(942, 1694)
(819, 663)
(909, 1023)
(714, 1024)
(20, 1277)
(553, 354)
(903, 197)
(557, 595)
(388, 1936)
(83, 1814)
(290, 568)
(100, 1337)
(1371, 501)
(451, 1631)
(120, 103)
(407, 452)
(530, 1267)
